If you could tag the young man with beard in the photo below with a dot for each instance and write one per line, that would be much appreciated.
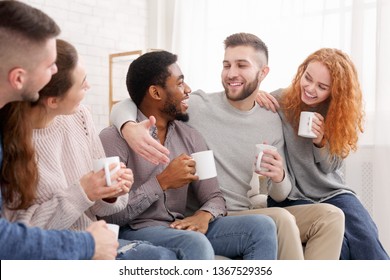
(161, 195)
(235, 117)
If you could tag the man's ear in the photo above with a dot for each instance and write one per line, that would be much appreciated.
(264, 72)
(154, 92)
(17, 78)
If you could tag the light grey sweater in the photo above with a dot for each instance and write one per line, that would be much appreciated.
(232, 135)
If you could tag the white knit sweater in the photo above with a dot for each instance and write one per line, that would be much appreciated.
(65, 151)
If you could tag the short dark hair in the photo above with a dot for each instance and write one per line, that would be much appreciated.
(147, 70)
(23, 27)
(247, 39)
(23, 20)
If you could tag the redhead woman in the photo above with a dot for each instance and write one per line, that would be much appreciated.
(327, 84)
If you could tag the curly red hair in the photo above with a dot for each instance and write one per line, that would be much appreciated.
(345, 114)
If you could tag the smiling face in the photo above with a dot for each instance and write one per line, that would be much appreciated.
(241, 72)
(176, 95)
(315, 84)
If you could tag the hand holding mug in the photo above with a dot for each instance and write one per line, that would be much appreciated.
(179, 172)
(110, 179)
(269, 163)
(318, 128)
(126, 180)
(105, 163)
(95, 186)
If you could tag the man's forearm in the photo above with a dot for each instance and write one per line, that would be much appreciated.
(123, 112)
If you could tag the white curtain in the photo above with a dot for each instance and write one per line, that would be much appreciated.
(293, 29)
(382, 124)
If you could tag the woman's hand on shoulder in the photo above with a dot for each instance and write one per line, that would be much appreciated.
(264, 99)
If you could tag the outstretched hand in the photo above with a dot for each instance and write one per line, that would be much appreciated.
(138, 138)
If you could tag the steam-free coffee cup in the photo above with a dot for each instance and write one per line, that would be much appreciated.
(114, 228)
(306, 124)
(260, 148)
(104, 163)
(205, 164)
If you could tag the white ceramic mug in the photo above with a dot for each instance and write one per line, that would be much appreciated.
(104, 163)
(205, 164)
(305, 125)
(114, 228)
(260, 148)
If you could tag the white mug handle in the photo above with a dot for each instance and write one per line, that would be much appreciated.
(258, 161)
(108, 173)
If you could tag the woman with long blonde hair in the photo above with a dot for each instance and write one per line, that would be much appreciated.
(327, 84)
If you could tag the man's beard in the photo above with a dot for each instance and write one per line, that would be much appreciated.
(30, 97)
(246, 92)
(171, 109)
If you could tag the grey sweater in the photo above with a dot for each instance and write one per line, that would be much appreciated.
(316, 174)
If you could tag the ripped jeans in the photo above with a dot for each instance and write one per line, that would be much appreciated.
(143, 250)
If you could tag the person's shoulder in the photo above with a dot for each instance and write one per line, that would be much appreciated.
(109, 132)
(201, 94)
(277, 93)
(81, 118)
(198, 92)
(201, 101)
(83, 114)
(83, 110)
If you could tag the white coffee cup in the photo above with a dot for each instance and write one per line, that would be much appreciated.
(205, 164)
(260, 148)
(305, 125)
(114, 228)
(104, 163)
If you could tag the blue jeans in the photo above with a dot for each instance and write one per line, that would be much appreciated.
(251, 237)
(141, 250)
(361, 240)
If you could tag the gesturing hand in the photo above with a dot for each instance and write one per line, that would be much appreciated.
(138, 137)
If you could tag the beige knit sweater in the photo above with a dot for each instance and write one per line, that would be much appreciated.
(65, 151)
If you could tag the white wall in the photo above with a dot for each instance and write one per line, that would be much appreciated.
(97, 28)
